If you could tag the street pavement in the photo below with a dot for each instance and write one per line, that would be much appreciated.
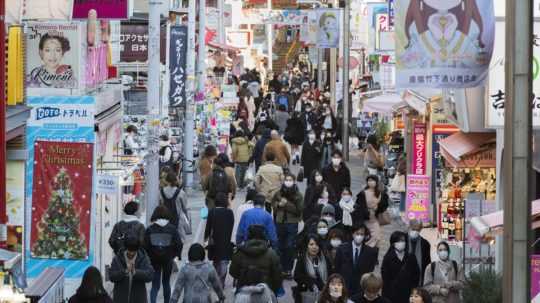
(196, 202)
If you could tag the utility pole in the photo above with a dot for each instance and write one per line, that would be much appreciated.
(201, 64)
(320, 59)
(517, 152)
(346, 58)
(189, 121)
(152, 122)
(270, 40)
(221, 22)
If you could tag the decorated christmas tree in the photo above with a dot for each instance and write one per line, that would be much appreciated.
(59, 236)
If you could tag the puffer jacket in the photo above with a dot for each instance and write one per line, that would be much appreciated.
(259, 293)
(291, 212)
(257, 254)
(196, 280)
(268, 180)
(241, 150)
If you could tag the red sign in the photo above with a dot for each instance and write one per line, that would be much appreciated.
(61, 200)
(106, 9)
(419, 148)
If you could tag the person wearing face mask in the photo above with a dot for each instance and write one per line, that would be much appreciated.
(311, 154)
(355, 258)
(370, 204)
(337, 174)
(309, 118)
(287, 205)
(346, 204)
(328, 147)
(335, 291)
(419, 247)
(328, 121)
(322, 232)
(336, 237)
(399, 270)
(314, 192)
(444, 279)
(311, 271)
(371, 285)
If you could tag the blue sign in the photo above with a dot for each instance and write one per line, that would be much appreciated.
(391, 14)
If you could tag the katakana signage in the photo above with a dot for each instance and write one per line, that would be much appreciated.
(177, 65)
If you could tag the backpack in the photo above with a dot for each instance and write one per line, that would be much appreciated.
(123, 231)
(219, 183)
(174, 160)
(433, 264)
(170, 203)
(160, 244)
(283, 100)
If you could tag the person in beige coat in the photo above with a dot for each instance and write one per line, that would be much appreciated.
(444, 279)
(277, 147)
(269, 179)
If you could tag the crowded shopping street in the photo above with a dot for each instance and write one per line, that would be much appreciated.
(264, 151)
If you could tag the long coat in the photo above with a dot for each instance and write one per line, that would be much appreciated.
(339, 179)
(196, 280)
(399, 276)
(144, 273)
(311, 157)
(294, 133)
(344, 264)
(219, 227)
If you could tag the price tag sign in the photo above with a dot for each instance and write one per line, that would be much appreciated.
(107, 184)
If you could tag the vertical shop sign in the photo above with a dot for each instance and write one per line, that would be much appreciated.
(418, 199)
(177, 65)
(437, 165)
(535, 278)
(391, 14)
(62, 120)
(61, 200)
(419, 148)
(106, 9)
(443, 44)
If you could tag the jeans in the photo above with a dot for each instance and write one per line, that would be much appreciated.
(286, 233)
(221, 269)
(241, 169)
(166, 269)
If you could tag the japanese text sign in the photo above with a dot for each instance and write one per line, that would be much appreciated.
(418, 197)
(419, 148)
(134, 42)
(177, 65)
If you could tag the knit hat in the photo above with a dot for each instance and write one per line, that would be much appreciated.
(328, 209)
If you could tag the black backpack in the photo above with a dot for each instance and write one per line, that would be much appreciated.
(170, 203)
(125, 230)
(161, 244)
(433, 265)
(219, 183)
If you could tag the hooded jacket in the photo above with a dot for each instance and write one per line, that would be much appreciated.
(162, 228)
(196, 280)
(257, 253)
(130, 225)
(241, 150)
(259, 293)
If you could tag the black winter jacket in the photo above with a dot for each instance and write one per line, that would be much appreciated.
(144, 273)
(165, 256)
(219, 227)
(339, 179)
(311, 157)
(399, 277)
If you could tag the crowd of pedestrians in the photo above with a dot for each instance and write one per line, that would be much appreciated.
(326, 238)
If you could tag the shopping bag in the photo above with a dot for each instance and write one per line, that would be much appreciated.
(300, 177)
(249, 177)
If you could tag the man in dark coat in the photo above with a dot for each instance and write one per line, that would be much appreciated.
(256, 253)
(309, 119)
(311, 155)
(337, 174)
(130, 271)
(259, 148)
(419, 247)
(354, 259)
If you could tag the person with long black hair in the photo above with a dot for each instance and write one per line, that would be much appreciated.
(91, 289)
(312, 268)
(287, 205)
(335, 291)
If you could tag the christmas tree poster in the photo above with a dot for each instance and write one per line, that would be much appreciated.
(61, 200)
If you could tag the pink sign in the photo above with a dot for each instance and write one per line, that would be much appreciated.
(535, 278)
(106, 9)
(418, 197)
(419, 149)
(96, 65)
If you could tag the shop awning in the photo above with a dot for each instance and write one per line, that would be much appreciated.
(493, 223)
(383, 104)
(223, 46)
(469, 149)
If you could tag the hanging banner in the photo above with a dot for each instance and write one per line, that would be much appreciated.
(535, 278)
(134, 42)
(177, 65)
(55, 58)
(443, 44)
(212, 24)
(391, 14)
(359, 25)
(374, 23)
(328, 27)
(59, 119)
(61, 204)
(418, 199)
(106, 9)
(419, 148)
(266, 16)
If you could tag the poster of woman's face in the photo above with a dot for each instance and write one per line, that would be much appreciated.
(53, 55)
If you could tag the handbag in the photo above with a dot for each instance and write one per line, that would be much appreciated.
(300, 177)
(384, 218)
(186, 221)
(398, 184)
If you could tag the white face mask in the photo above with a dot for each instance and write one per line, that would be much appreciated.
(335, 243)
(324, 195)
(358, 239)
(372, 184)
(328, 218)
(400, 246)
(335, 293)
(288, 184)
(336, 161)
(318, 179)
(413, 234)
(323, 231)
(346, 198)
(443, 255)
(311, 137)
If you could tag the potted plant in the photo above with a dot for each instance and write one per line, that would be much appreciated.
(483, 286)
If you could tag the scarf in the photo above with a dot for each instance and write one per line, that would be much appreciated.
(348, 208)
(417, 253)
(322, 269)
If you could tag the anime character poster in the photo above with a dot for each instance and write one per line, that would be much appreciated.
(54, 55)
(328, 27)
(443, 43)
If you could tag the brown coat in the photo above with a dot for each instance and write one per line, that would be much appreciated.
(205, 168)
(280, 150)
(205, 183)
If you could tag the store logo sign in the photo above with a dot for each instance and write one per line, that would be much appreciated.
(47, 112)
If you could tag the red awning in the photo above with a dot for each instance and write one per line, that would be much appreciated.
(469, 149)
